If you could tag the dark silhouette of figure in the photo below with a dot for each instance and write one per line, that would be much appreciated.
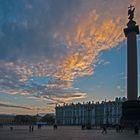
(121, 128)
(117, 128)
(29, 128)
(136, 130)
(1, 125)
(32, 128)
(104, 130)
(131, 10)
(39, 126)
(55, 126)
(11, 128)
(83, 126)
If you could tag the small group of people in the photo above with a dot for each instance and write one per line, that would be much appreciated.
(31, 128)
(120, 128)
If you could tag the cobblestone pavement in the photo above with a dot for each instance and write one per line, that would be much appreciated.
(63, 133)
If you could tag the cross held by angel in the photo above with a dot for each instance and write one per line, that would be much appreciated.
(131, 10)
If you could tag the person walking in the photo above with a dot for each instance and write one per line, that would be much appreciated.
(32, 128)
(29, 128)
(136, 130)
(104, 131)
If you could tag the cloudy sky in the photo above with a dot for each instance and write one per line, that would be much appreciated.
(61, 51)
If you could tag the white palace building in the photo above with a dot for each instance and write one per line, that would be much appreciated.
(90, 113)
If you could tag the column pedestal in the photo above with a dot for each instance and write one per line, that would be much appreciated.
(131, 114)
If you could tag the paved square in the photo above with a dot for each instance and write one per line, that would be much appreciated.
(63, 133)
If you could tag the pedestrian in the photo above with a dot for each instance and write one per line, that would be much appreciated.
(55, 126)
(39, 126)
(32, 128)
(11, 128)
(117, 128)
(136, 130)
(121, 128)
(83, 126)
(104, 131)
(29, 128)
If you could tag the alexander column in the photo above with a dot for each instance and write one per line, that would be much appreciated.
(131, 108)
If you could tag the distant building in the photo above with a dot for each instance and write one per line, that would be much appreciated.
(75, 114)
(38, 117)
(90, 113)
(7, 119)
